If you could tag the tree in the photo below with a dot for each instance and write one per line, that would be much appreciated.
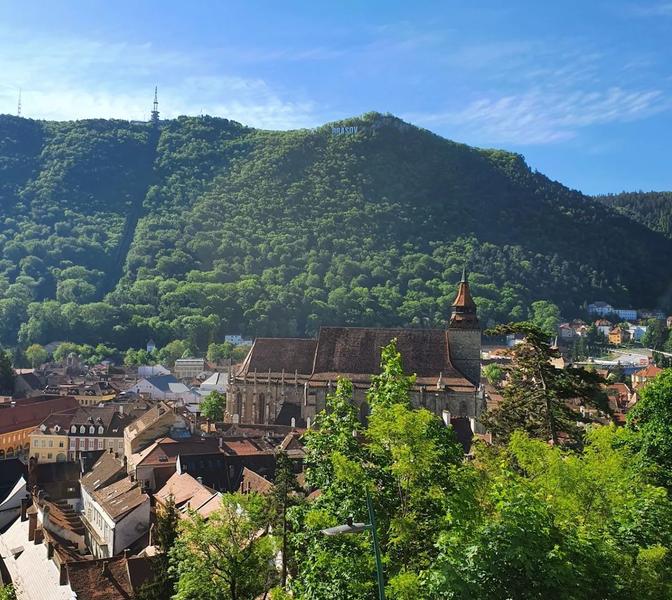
(493, 373)
(165, 534)
(7, 592)
(651, 418)
(7, 375)
(64, 350)
(227, 557)
(171, 352)
(218, 352)
(213, 406)
(656, 334)
(546, 316)
(284, 495)
(37, 355)
(407, 459)
(538, 397)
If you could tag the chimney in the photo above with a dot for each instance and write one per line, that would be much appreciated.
(127, 553)
(50, 550)
(105, 570)
(39, 536)
(25, 502)
(121, 410)
(200, 479)
(63, 574)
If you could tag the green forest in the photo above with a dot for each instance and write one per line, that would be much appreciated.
(653, 209)
(114, 232)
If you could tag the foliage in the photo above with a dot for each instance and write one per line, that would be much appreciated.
(656, 335)
(407, 459)
(165, 533)
(545, 315)
(554, 525)
(651, 418)
(37, 355)
(111, 232)
(7, 592)
(213, 406)
(227, 557)
(493, 373)
(538, 398)
(7, 375)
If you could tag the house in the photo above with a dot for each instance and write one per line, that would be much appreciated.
(289, 378)
(49, 441)
(603, 327)
(147, 371)
(567, 332)
(19, 419)
(253, 482)
(217, 382)
(237, 340)
(618, 336)
(151, 346)
(59, 480)
(636, 332)
(154, 465)
(619, 396)
(645, 375)
(158, 421)
(27, 384)
(188, 368)
(116, 512)
(600, 308)
(188, 494)
(669, 322)
(163, 387)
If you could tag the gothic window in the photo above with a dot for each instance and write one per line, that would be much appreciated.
(261, 406)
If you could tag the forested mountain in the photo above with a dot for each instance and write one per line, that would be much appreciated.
(653, 209)
(115, 231)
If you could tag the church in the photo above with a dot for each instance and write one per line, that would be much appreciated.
(286, 380)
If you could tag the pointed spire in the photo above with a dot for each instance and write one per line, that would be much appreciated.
(464, 307)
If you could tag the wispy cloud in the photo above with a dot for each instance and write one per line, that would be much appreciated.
(84, 78)
(539, 117)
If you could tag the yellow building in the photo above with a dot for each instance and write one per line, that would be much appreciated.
(20, 419)
(49, 441)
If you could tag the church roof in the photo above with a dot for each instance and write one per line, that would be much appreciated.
(280, 354)
(354, 353)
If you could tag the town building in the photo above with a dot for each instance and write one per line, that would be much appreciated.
(189, 494)
(645, 375)
(159, 421)
(116, 512)
(19, 419)
(288, 379)
(604, 327)
(163, 387)
(189, 368)
(618, 336)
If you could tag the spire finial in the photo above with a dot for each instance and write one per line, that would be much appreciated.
(464, 275)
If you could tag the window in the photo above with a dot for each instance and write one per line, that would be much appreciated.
(44, 443)
(36, 443)
(92, 429)
(60, 444)
(73, 429)
(51, 443)
(82, 429)
(100, 430)
(50, 455)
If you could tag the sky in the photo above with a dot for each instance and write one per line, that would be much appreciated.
(582, 89)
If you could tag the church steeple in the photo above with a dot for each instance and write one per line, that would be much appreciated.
(464, 308)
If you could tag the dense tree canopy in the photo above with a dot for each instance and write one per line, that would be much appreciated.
(112, 232)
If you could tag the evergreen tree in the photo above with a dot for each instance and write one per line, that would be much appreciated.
(7, 374)
(537, 396)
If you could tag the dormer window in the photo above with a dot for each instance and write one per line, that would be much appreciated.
(92, 429)
(100, 430)
(82, 429)
(73, 429)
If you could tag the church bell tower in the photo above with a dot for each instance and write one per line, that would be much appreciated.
(464, 334)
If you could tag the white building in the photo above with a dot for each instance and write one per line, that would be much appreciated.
(116, 512)
(237, 340)
(217, 382)
(163, 387)
(145, 371)
(10, 506)
(637, 332)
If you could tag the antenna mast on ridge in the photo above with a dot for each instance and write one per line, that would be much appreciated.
(155, 109)
(18, 110)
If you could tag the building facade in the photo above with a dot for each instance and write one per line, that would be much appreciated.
(286, 381)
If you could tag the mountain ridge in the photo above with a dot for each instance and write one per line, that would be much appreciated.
(226, 228)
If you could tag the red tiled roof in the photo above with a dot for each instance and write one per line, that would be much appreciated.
(166, 450)
(280, 354)
(30, 414)
(649, 372)
(117, 578)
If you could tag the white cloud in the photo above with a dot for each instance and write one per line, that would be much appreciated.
(542, 117)
(84, 78)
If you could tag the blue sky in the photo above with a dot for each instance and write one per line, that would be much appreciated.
(582, 89)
